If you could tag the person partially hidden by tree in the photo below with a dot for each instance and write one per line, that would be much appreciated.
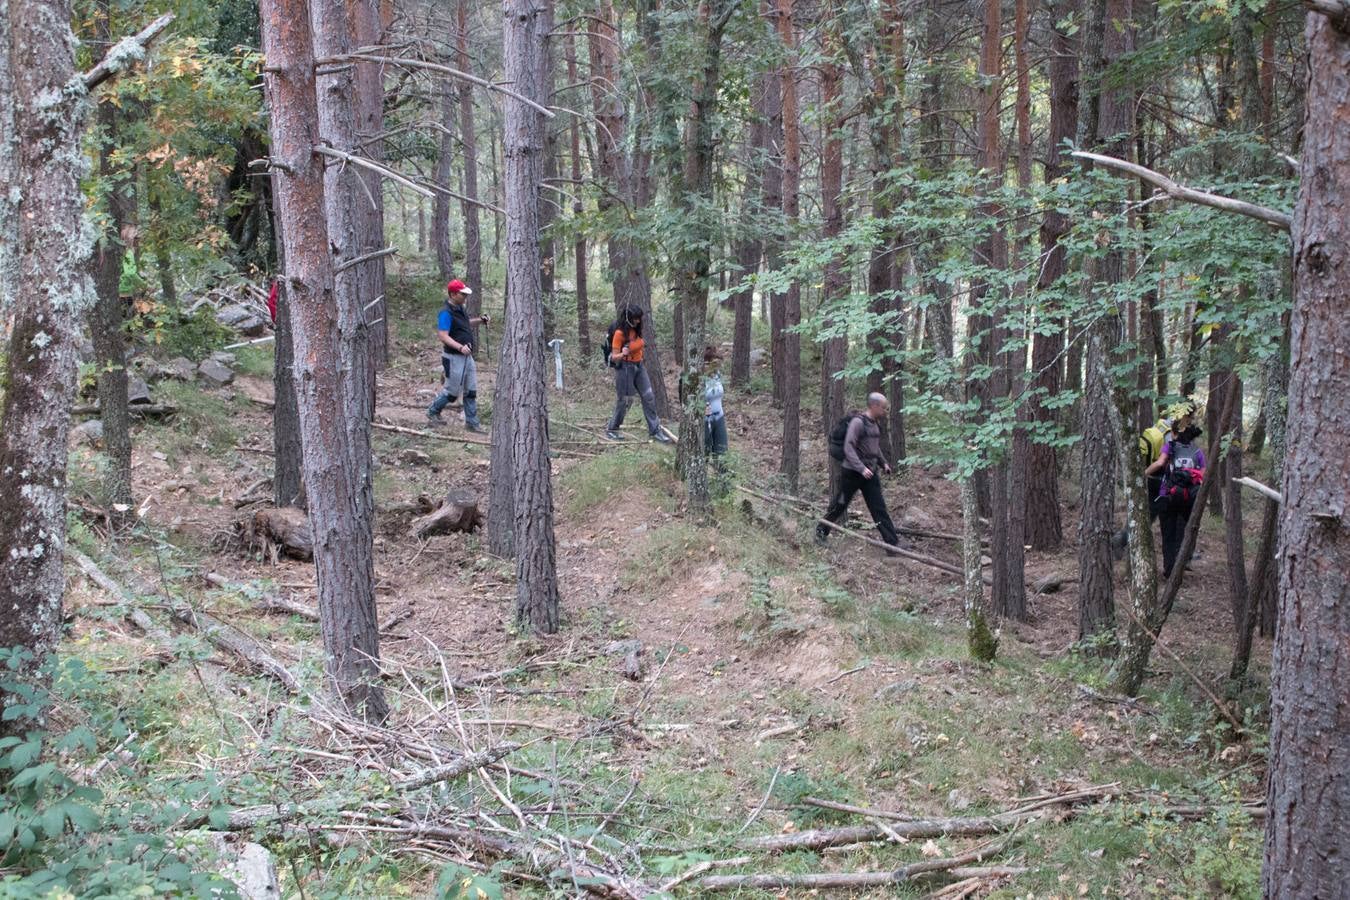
(624, 346)
(859, 444)
(1182, 465)
(454, 329)
(714, 418)
(1151, 443)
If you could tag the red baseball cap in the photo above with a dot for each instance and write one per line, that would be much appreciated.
(458, 287)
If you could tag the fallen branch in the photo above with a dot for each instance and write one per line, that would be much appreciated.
(364, 258)
(459, 767)
(460, 439)
(1191, 195)
(138, 616)
(820, 838)
(930, 561)
(159, 410)
(816, 880)
(1260, 488)
(236, 642)
(267, 602)
(856, 810)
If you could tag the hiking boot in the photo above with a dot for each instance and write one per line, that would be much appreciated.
(614, 435)
(662, 438)
(475, 428)
(434, 420)
(821, 537)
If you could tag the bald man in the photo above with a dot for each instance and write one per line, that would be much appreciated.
(861, 467)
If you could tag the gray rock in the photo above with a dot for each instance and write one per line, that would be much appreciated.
(958, 800)
(215, 373)
(90, 433)
(180, 368)
(414, 457)
(243, 320)
(758, 355)
(617, 648)
(914, 517)
(137, 390)
(223, 357)
(250, 866)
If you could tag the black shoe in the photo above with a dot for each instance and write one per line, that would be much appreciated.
(821, 537)
(662, 438)
(476, 429)
(614, 435)
(434, 420)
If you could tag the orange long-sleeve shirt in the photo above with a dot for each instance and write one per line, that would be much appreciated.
(635, 345)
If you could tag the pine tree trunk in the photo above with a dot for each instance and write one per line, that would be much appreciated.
(324, 366)
(367, 30)
(287, 459)
(749, 247)
(579, 242)
(792, 310)
(107, 328)
(526, 26)
(9, 173)
(548, 199)
(440, 204)
(468, 139)
(1044, 527)
(834, 350)
(50, 272)
(1308, 827)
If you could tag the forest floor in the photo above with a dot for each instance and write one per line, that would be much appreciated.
(772, 671)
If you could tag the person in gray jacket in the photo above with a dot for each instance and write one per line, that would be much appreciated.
(862, 467)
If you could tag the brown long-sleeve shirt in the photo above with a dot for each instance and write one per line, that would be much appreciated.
(862, 445)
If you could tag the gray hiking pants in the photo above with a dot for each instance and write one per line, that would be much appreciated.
(631, 379)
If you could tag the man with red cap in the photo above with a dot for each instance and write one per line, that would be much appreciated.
(454, 329)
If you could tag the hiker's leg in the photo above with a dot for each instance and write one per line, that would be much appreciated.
(643, 383)
(1173, 529)
(470, 377)
(715, 436)
(876, 505)
(623, 390)
(848, 486)
(449, 392)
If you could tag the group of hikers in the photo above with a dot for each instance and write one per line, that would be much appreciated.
(1175, 465)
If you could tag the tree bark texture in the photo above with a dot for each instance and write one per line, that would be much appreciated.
(1308, 828)
(749, 247)
(440, 204)
(1045, 530)
(792, 300)
(9, 169)
(49, 268)
(525, 28)
(468, 139)
(834, 350)
(342, 547)
(579, 242)
(367, 30)
(287, 459)
(107, 328)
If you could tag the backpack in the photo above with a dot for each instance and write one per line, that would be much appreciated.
(1182, 478)
(609, 344)
(839, 432)
(1151, 443)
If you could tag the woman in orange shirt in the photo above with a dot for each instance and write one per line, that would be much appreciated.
(630, 376)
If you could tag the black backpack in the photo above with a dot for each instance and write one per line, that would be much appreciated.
(839, 432)
(1182, 478)
(609, 343)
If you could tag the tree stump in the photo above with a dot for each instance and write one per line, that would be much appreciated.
(285, 530)
(457, 512)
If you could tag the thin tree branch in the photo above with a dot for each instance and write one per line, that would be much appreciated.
(1190, 195)
(365, 258)
(125, 52)
(334, 153)
(434, 67)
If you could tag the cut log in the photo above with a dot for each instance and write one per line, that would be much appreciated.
(246, 648)
(285, 529)
(266, 602)
(457, 512)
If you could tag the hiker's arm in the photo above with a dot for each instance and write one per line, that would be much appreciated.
(450, 343)
(479, 320)
(851, 438)
(1155, 466)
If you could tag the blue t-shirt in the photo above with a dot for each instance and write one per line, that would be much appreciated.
(455, 319)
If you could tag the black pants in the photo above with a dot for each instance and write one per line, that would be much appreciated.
(1172, 518)
(849, 484)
